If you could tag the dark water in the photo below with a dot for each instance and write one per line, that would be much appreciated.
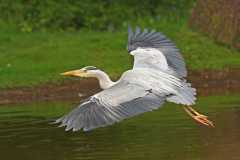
(169, 134)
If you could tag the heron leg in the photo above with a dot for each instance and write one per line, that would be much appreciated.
(200, 118)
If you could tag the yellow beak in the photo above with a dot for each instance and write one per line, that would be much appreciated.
(75, 73)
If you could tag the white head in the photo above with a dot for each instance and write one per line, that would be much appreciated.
(91, 71)
(88, 71)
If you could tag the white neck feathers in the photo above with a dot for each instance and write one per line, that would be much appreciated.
(104, 80)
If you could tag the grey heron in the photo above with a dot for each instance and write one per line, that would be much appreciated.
(158, 75)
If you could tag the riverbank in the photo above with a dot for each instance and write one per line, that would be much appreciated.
(207, 82)
(37, 58)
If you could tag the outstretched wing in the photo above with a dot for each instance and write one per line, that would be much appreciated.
(152, 39)
(112, 105)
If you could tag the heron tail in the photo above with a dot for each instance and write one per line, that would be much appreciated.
(186, 95)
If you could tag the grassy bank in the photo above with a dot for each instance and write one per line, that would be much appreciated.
(32, 58)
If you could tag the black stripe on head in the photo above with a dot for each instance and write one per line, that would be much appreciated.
(90, 68)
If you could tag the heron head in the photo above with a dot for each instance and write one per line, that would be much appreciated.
(89, 71)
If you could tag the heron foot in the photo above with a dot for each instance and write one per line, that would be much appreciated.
(200, 118)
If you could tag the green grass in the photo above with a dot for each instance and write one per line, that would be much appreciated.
(28, 59)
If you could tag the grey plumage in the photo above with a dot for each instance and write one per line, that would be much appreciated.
(156, 76)
(128, 98)
(153, 39)
(105, 108)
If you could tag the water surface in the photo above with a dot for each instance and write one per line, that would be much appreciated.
(168, 133)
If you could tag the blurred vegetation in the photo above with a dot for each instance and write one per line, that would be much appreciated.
(219, 19)
(42, 38)
(38, 57)
(31, 15)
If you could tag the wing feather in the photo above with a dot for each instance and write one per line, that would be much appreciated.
(102, 109)
(157, 40)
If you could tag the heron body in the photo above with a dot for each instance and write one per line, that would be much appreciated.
(157, 76)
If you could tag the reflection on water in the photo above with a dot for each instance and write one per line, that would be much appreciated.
(25, 134)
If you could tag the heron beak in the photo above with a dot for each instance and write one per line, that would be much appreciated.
(75, 73)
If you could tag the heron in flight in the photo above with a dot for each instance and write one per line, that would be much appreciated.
(158, 75)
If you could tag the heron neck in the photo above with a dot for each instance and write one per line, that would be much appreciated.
(104, 80)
